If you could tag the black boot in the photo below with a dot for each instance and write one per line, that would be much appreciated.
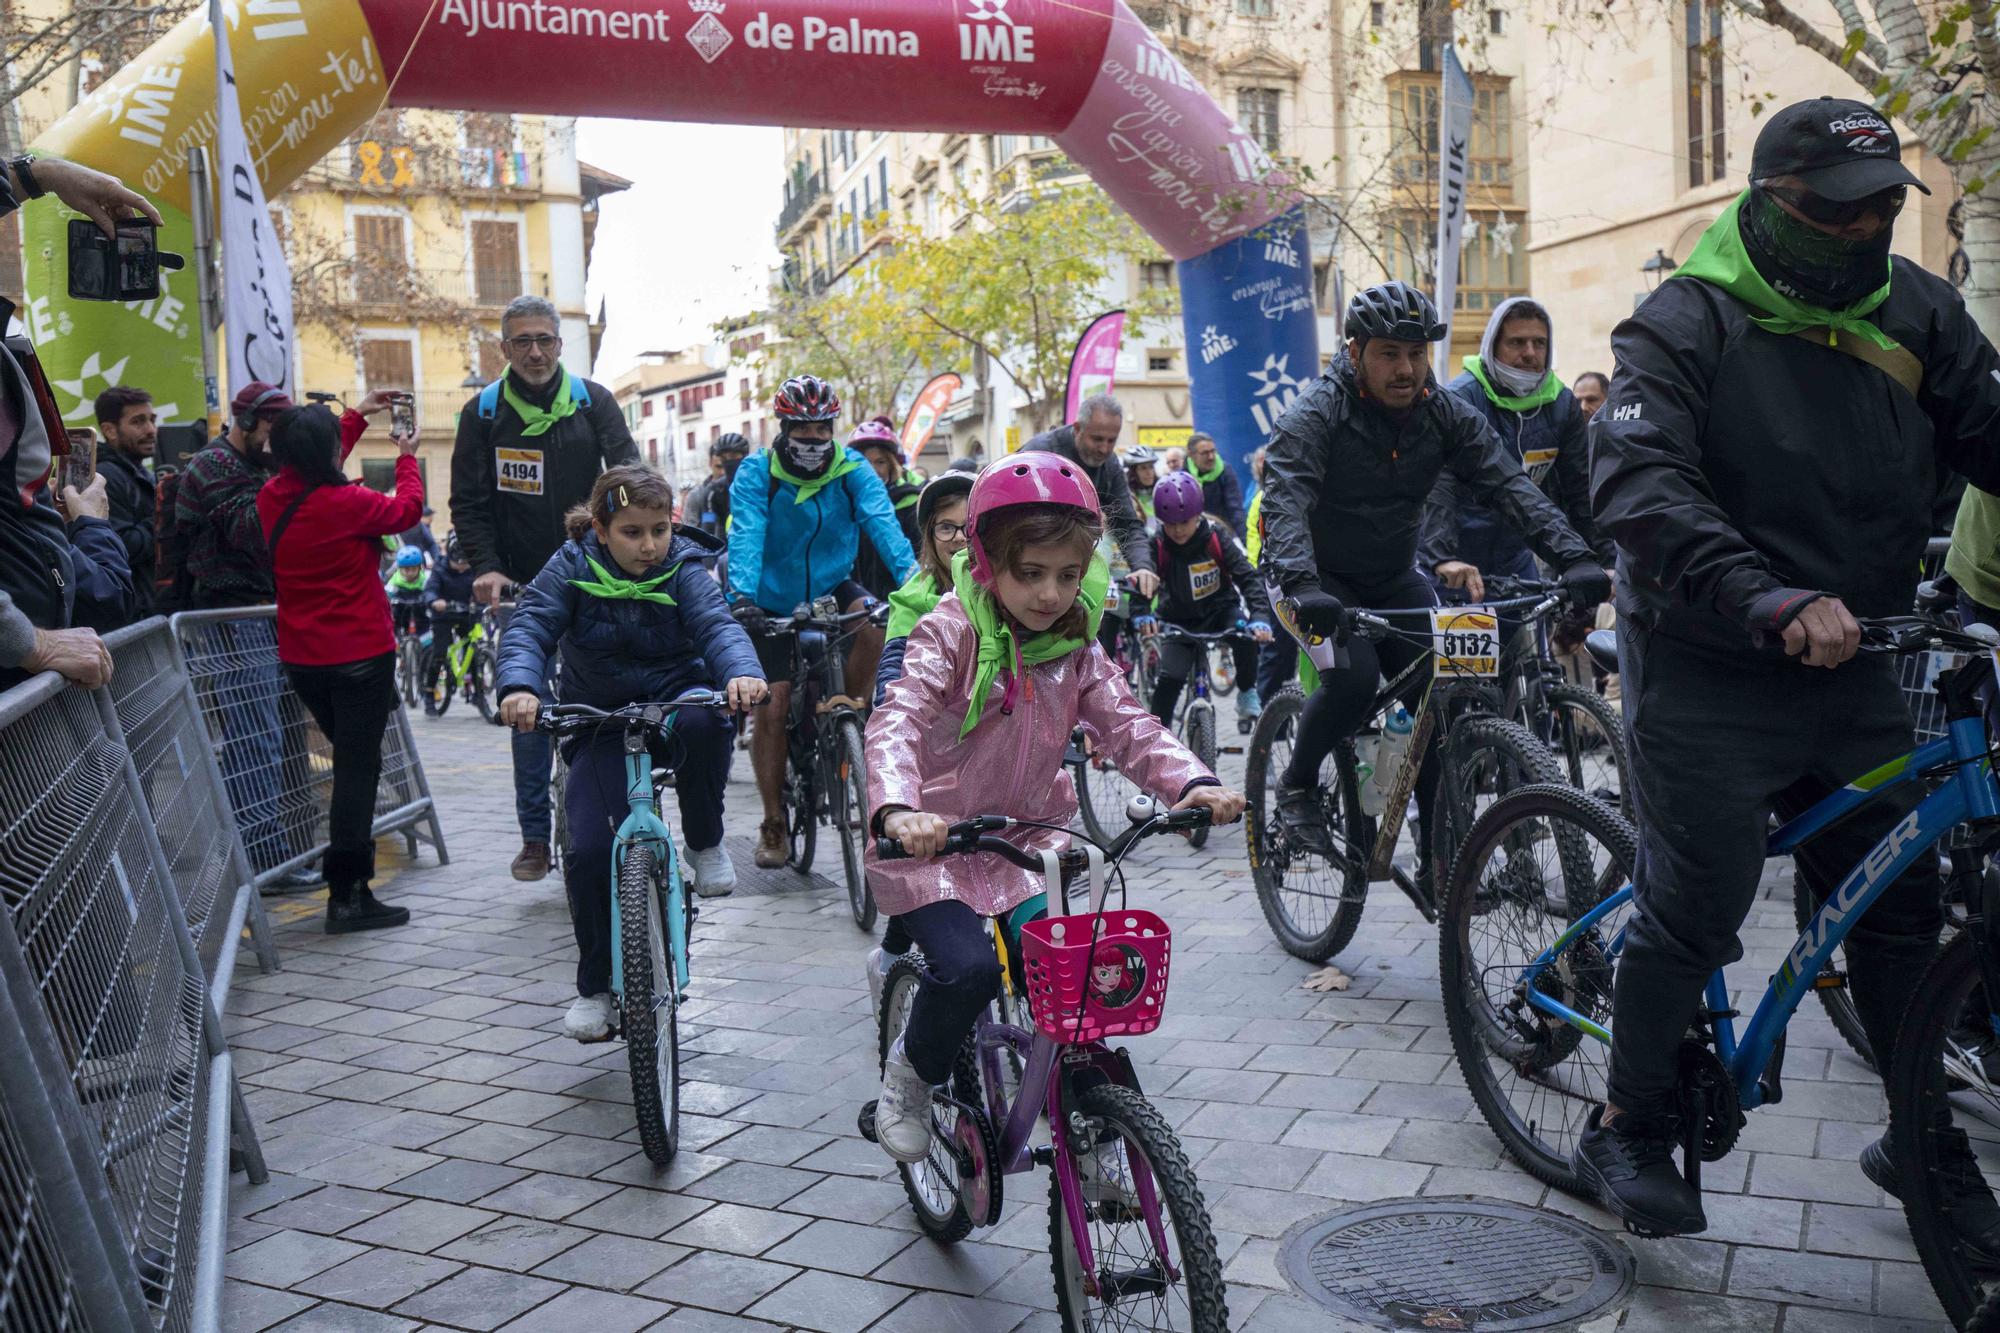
(351, 907)
(1974, 1213)
(1629, 1166)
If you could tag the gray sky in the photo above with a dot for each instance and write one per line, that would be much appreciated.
(691, 241)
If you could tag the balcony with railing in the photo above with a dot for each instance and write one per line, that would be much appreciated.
(372, 166)
(429, 290)
(805, 197)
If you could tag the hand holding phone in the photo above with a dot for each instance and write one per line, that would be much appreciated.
(79, 465)
(402, 413)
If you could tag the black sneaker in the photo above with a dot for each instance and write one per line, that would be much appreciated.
(357, 909)
(1975, 1215)
(1629, 1166)
(1302, 813)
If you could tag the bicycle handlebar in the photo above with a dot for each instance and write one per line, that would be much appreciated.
(1169, 630)
(560, 718)
(977, 835)
(1916, 634)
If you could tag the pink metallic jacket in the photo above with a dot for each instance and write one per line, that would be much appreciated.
(1010, 764)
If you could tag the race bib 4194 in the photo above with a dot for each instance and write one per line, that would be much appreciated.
(519, 470)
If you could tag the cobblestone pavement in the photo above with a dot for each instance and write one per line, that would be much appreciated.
(443, 1158)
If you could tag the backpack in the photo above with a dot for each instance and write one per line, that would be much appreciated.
(488, 407)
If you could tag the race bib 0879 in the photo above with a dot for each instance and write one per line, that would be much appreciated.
(519, 470)
(1466, 640)
(1538, 462)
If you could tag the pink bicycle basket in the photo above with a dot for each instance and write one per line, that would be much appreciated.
(1112, 968)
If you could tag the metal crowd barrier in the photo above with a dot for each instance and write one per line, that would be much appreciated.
(276, 766)
(117, 1094)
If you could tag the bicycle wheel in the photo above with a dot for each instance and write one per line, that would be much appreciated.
(1102, 793)
(652, 1036)
(406, 670)
(442, 687)
(559, 811)
(1483, 759)
(1944, 1118)
(1530, 866)
(801, 794)
(483, 679)
(1200, 734)
(1585, 732)
(1313, 904)
(1133, 1288)
(932, 1184)
(1221, 673)
(1837, 1000)
(850, 818)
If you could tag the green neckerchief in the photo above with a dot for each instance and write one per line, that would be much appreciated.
(1541, 397)
(842, 465)
(999, 650)
(910, 603)
(1719, 257)
(910, 479)
(613, 588)
(1206, 478)
(414, 582)
(537, 420)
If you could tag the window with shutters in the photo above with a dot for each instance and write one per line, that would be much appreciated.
(388, 363)
(381, 265)
(496, 261)
(1707, 158)
(1257, 113)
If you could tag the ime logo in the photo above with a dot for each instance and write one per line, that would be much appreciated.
(990, 34)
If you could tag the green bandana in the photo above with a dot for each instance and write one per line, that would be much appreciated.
(842, 465)
(911, 603)
(1206, 478)
(1541, 397)
(998, 649)
(536, 420)
(410, 582)
(1719, 257)
(613, 588)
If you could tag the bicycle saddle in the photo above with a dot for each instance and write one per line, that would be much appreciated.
(1602, 645)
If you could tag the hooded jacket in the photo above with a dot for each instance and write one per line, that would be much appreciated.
(1547, 441)
(128, 489)
(1729, 462)
(782, 553)
(1345, 483)
(1011, 763)
(617, 651)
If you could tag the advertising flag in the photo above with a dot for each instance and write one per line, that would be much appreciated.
(1454, 141)
(931, 402)
(256, 281)
(1095, 361)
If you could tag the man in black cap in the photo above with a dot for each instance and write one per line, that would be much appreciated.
(1782, 411)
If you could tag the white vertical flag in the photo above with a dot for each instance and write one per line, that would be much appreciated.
(256, 281)
(1454, 145)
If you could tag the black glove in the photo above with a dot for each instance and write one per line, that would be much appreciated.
(1316, 612)
(751, 617)
(1586, 583)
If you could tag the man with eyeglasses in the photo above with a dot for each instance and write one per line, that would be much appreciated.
(1765, 461)
(529, 448)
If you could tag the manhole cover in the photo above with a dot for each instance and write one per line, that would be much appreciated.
(1476, 1265)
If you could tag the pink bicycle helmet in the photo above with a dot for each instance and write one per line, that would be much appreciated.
(1023, 479)
(1177, 498)
(875, 433)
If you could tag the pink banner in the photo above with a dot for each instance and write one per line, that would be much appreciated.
(1095, 362)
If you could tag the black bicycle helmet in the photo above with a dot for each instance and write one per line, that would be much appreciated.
(947, 485)
(1395, 310)
(729, 443)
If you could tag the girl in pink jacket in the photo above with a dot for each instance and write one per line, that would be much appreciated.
(994, 681)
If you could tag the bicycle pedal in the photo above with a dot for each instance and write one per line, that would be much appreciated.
(865, 1122)
(1232, 749)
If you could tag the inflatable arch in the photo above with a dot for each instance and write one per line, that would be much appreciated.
(1086, 72)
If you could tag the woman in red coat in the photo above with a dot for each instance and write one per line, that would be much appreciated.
(334, 631)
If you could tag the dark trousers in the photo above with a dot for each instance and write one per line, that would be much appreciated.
(1177, 663)
(1341, 705)
(1718, 742)
(961, 977)
(351, 703)
(594, 796)
(534, 766)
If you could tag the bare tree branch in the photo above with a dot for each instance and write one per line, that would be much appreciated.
(1986, 41)
(1851, 22)
(1779, 15)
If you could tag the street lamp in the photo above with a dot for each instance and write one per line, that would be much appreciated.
(1657, 269)
(471, 381)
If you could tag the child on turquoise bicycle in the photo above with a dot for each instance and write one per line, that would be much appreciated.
(639, 620)
(995, 679)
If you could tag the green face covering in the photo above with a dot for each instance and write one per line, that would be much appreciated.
(537, 420)
(1000, 650)
(1720, 257)
(808, 488)
(1209, 477)
(613, 588)
(1541, 397)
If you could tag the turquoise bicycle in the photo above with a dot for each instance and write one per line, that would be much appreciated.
(652, 916)
(1534, 925)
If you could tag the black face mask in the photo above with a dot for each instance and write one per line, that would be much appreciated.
(1805, 263)
(729, 466)
(808, 461)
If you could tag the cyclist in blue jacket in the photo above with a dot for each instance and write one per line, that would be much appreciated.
(797, 513)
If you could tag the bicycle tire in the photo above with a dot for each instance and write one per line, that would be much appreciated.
(1200, 726)
(1482, 1032)
(1221, 672)
(1479, 751)
(443, 688)
(850, 814)
(652, 1054)
(1572, 744)
(801, 794)
(1128, 1114)
(484, 679)
(1102, 792)
(1837, 1001)
(1272, 859)
(1921, 1083)
(407, 653)
(932, 1184)
(559, 811)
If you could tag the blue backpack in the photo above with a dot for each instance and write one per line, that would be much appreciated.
(489, 399)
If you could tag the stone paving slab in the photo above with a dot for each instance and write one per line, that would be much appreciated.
(443, 1158)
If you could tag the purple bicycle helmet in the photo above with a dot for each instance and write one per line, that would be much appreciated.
(1023, 479)
(1177, 498)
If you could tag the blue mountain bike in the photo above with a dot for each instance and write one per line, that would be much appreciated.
(1534, 925)
(651, 913)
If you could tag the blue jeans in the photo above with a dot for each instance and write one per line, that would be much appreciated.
(534, 759)
(248, 683)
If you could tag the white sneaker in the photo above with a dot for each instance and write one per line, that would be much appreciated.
(878, 965)
(589, 1019)
(714, 872)
(1106, 1182)
(903, 1115)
